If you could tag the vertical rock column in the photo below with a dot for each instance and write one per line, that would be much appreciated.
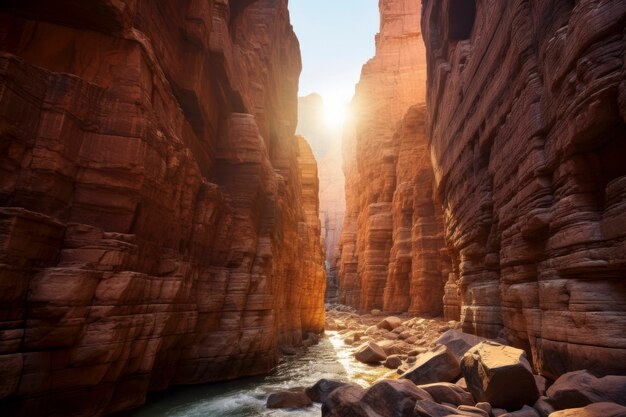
(392, 257)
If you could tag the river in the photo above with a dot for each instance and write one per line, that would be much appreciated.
(246, 397)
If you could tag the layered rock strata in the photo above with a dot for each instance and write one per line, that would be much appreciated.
(159, 219)
(527, 120)
(392, 248)
(326, 144)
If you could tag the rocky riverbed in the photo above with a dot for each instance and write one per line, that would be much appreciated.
(430, 368)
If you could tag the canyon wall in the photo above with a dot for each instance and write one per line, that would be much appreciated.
(326, 144)
(158, 219)
(527, 123)
(392, 249)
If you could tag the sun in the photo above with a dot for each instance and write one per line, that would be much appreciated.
(335, 112)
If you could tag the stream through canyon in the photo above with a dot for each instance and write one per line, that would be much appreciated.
(330, 359)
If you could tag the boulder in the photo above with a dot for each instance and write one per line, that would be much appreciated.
(389, 323)
(458, 342)
(438, 365)
(499, 375)
(345, 401)
(394, 398)
(287, 399)
(370, 353)
(544, 406)
(393, 362)
(322, 388)
(580, 388)
(603, 409)
(445, 392)
(395, 347)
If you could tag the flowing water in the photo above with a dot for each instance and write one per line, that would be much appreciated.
(246, 397)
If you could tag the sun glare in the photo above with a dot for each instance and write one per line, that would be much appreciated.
(335, 112)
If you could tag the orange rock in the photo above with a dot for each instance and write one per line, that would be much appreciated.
(159, 218)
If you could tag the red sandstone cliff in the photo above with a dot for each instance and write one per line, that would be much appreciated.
(159, 219)
(326, 144)
(527, 122)
(392, 255)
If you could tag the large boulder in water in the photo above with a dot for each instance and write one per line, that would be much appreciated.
(287, 399)
(499, 375)
(322, 388)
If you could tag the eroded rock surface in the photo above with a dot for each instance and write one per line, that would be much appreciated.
(392, 255)
(159, 220)
(525, 134)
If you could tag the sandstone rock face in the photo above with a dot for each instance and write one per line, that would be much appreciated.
(525, 134)
(392, 247)
(149, 179)
(326, 144)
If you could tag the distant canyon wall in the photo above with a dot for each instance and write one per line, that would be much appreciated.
(158, 219)
(326, 144)
(527, 123)
(392, 248)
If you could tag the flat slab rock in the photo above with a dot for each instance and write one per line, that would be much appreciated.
(437, 365)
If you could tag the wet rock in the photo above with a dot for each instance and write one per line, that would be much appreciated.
(445, 392)
(499, 375)
(389, 323)
(322, 388)
(288, 399)
(580, 388)
(438, 365)
(370, 353)
(603, 409)
(288, 350)
(345, 401)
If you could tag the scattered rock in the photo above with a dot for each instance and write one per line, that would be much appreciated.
(445, 392)
(499, 375)
(375, 312)
(458, 342)
(580, 388)
(486, 407)
(370, 353)
(322, 388)
(394, 398)
(393, 362)
(345, 401)
(389, 323)
(287, 399)
(438, 365)
(604, 409)
(544, 406)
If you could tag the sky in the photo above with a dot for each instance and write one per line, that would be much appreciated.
(336, 39)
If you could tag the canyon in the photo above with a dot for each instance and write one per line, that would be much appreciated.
(159, 219)
(172, 213)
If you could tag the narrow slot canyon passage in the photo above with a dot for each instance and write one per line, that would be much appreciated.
(355, 208)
